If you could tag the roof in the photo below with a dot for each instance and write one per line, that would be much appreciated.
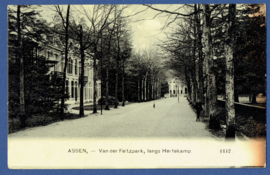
(175, 79)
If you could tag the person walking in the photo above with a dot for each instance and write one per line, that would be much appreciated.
(198, 107)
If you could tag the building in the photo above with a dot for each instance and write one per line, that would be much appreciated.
(54, 51)
(176, 87)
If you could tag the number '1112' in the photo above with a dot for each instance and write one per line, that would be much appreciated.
(225, 150)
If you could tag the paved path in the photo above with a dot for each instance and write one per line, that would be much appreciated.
(169, 119)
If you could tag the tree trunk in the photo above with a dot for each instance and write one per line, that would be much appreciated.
(142, 89)
(145, 79)
(189, 87)
(200, 60)
(107, 89)
(236, 97)
(116, 83)
(193, 93)
(65, 64)
(211, 85)
(101, 76)
(156, 92)
(230, 110)
(138, 90)
(152, 89)
(253, 98)
(194, 78)
(123, 84)
(20, 56)
(200, 72)
(206, 29)
(159, 89)
(95, 82)
(82, 73)
(148, 91)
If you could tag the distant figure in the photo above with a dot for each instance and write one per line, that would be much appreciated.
(154, 105)
(198, 107)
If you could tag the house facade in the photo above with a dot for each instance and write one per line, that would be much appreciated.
(54, 51)
(176, 87)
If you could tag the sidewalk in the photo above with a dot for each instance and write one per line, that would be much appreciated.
(72, 111)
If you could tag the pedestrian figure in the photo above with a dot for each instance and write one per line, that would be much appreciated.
(154, 105)
(198, 107)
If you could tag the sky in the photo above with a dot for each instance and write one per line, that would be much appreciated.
(148, 26)
(147, 32)
(145, 27)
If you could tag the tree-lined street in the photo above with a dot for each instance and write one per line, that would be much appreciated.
(169, 119)
(94, 54)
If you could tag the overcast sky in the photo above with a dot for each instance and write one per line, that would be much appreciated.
(145, 27)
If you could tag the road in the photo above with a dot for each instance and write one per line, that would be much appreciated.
(169, 119)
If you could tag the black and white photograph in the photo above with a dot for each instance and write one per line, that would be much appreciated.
(110, 86)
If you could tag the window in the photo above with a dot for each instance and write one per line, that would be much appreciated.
(75, 67)
(71, 66)
(72, 89)
(185, 90)
(79, 67)
(90, 91)
(173, 91)
(67, 86)
(86, 71)
(68, 65)
(76, 93)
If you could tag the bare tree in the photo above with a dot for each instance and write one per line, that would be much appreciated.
(99, 17)
(65, 23)
(229, 48)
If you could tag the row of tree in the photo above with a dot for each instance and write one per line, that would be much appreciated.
(102, 36)
(98, 32)
(219, 49)
(146, 72)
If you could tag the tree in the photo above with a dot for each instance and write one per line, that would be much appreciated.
(65, 23)
(107, 53)
(254, 53)
(145, 73)
(40, 92)
(229, 48)
(23, 26)
(19, 51)
(99, 19)
(125, 55)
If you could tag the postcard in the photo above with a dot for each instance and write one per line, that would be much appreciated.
(145, 86)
